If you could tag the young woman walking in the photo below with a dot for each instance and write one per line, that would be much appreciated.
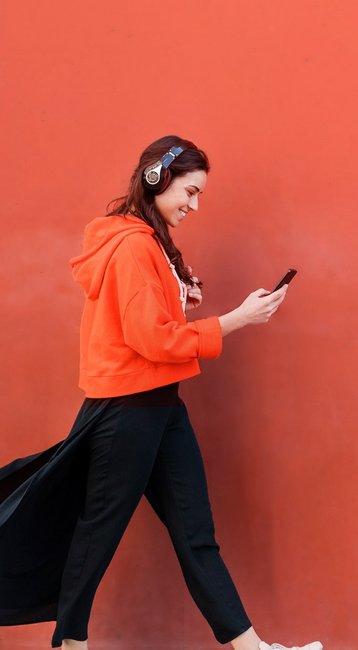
(135, 348)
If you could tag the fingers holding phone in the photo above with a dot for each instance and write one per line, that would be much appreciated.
(258, 307)
(275, 298)
(278, 293)
(261, 304)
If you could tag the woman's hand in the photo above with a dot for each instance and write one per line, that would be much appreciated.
(258, 307)
(194, 297)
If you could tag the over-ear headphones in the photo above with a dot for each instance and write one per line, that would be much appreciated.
(156, 177)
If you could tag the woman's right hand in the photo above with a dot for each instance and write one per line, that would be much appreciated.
(258, 307)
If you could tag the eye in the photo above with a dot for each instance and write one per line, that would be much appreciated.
(190, 193)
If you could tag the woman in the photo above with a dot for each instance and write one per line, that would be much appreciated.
(135, 348)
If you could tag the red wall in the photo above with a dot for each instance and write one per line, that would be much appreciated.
(269, 89)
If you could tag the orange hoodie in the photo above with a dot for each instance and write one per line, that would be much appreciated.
(134, 335)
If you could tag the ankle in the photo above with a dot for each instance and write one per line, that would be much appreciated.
(72, 644)
(248, 640)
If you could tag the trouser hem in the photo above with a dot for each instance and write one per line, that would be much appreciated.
(58, 636)
(228, 639)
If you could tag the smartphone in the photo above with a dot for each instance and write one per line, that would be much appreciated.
(286, 279)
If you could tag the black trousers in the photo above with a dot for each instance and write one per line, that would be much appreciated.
(144, 444)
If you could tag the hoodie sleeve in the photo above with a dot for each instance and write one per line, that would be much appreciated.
(149, 329)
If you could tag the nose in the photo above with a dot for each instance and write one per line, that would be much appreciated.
(194, 202)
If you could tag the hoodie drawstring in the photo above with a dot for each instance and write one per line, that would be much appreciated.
(183, 290)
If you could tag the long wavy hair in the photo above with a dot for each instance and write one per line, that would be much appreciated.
(140, 202)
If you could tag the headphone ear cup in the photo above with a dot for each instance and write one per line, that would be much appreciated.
(162, 182)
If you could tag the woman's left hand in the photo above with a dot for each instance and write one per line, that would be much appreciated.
(194, 297)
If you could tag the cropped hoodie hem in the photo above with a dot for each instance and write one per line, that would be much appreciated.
(136, 382)
(134, 335)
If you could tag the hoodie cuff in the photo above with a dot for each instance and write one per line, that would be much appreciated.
(210, 337)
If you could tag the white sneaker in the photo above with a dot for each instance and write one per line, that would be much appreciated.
(315, 645)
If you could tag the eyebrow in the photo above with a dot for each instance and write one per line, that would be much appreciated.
(201, 192)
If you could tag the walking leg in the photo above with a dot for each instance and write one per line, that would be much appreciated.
(177, 490)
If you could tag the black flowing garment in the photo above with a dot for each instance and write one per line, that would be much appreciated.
(41, 497)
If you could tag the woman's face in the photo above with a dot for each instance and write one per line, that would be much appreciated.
(181, 196)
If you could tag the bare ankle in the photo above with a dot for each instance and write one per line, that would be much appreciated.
(72, 644)
(248, 640)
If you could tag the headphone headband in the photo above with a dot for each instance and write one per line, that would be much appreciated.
(170, 156)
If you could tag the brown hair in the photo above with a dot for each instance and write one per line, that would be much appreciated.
(142, 201)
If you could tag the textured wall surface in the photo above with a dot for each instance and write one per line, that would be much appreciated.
(269, 90)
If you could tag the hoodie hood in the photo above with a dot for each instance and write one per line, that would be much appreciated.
(102, 236)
